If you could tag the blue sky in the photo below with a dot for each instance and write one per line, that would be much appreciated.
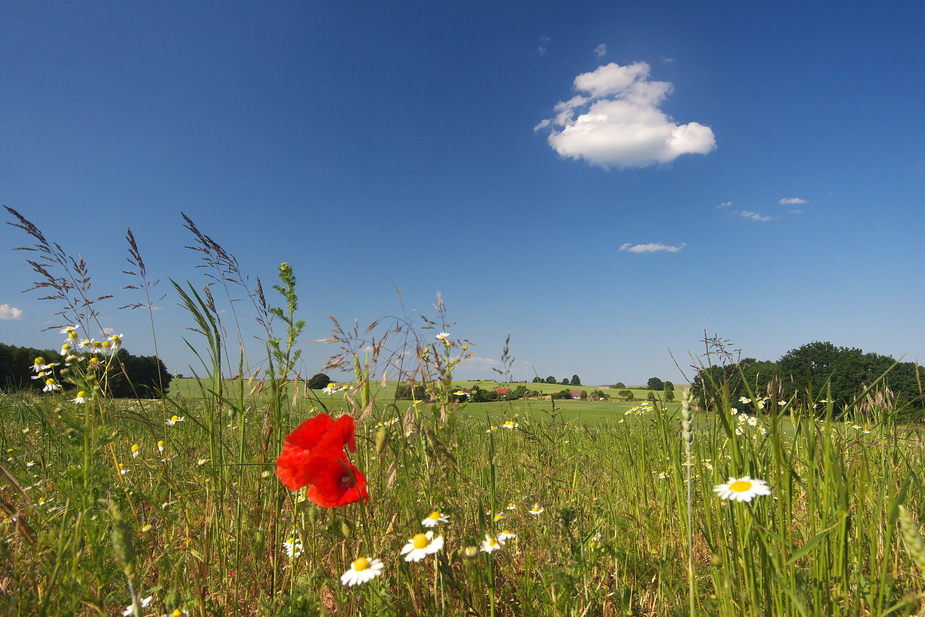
(602, 180)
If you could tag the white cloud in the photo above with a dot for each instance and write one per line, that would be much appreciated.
(619, 122)
(10, 312)
(651, 248)
(601, 50)
(725, 204)
(792, 200)
(754, 216)
(476, 363)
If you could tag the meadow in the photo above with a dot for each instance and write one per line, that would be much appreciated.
(256, 496)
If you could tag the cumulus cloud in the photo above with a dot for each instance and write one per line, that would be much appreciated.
(10, 312)
(754, 216)
(650, 248)
(601, 50)
(615, 120)
(725, 204)
(792, 200)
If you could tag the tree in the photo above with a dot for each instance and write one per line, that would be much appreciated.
(655, 384)
(584, 395)
(137, 376)
(668, 385)
(619, 385)
(564, 382)
(575, 380)
(319, 381)
(669, 395)
(537, 379)
(551, 379)
(627, 394)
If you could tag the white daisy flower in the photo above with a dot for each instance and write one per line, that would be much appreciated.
(536, 509)
(175, 419)
(742, 489)
(490, 545)
(361, 571)
(130, 610)
(505, 535)
(435, 518)
(422, 545)
(293, 547)
(80, 398)
(443, 336)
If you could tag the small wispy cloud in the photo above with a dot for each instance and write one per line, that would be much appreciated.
(541, 50)
(725, 204)
(601, 50)
(792, 201)
(476, 363)
(650, 248)
(10, 312)
(754, 216)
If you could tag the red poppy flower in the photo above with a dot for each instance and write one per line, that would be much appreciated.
(313, 454)
(338, 484)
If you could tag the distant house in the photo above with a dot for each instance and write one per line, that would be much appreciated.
(575, 393)
(503, 391)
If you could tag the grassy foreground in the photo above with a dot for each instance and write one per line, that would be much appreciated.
(599, 515)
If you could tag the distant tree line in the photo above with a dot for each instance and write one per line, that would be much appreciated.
(809, 373)
(129, 376)
(574, 381)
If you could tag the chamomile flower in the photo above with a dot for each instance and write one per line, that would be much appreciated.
(753, 421)
(435, 518)
(505, 535)
(39, 365)
(136, 450)
(490, 544)
(422, 545)
(130, 610)
(174, 420)
(68, 329)
(161, 446)
(742, 489)
(536, 509)
(293, 547)
(115, 340)
(361, 571)
(80, 398)
(510, 424)
(443, 336)
(51, 385)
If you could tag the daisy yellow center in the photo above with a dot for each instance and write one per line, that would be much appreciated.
(420, 541)
(49, 382)
(361, 564)
(434, 516)
(40, 360)
(80, 394)
(492, 542)
(174, 418)
(740, 486)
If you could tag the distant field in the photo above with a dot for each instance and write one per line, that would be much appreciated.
(592, 412)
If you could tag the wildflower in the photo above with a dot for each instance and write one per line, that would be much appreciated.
(422, 545)
(130, 609)
(510, 424)
(136, 450)
(80, 398)
(122, 469)
(511, 506)
(161, 446)
(743, 417)
(435, 518)
(505, 535)
(115, 341)
(490, 545)
(174, 419)
(762, 430)
(745, 400)
(739, 431)
(65, 349)
(293, 547)
(361, 571)
(753, 421)
(733, 410)
(178, 613)
(536, 509)
(443, 336)
(742, 489)
(68, 329)
(51, 385)
(314, 455)
(491, 429)
(499, 516)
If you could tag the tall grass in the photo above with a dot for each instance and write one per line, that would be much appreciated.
(615, 518)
